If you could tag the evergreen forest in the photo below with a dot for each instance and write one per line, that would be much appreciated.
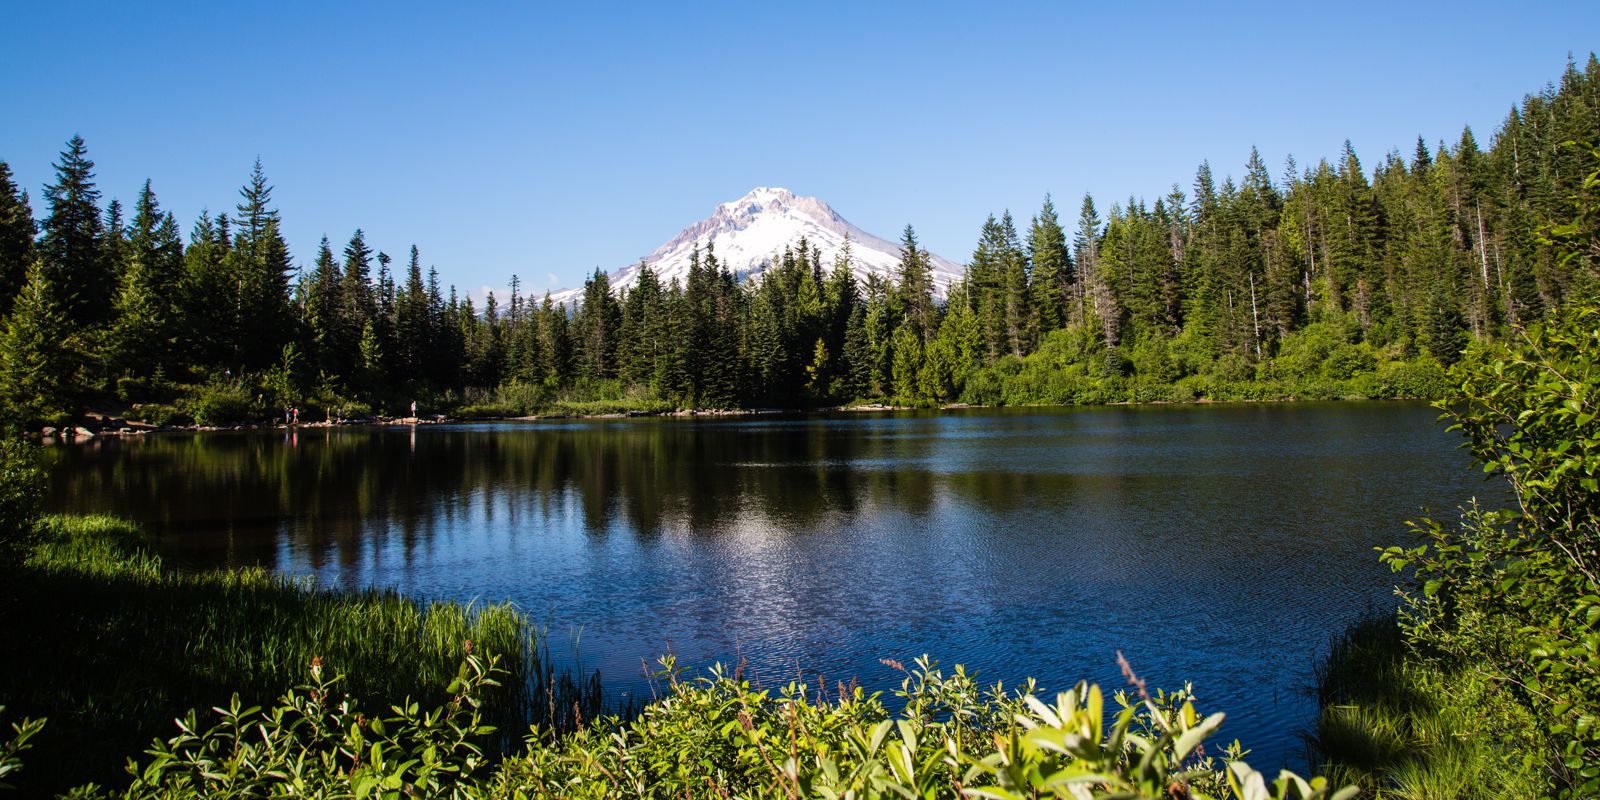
(1332, 279)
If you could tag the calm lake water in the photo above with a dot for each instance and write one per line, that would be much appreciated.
(1222, 545)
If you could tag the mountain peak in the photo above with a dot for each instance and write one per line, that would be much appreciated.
(750, 232)
(762, 195)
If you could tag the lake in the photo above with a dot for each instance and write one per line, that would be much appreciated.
(1222, 545)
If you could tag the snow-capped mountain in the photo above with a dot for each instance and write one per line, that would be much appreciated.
(747, 233)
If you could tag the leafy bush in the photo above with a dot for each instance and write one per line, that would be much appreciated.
(21, 492)
(158, 414)
(1152, 361)
(1306, 351)
(135, 390)
(1345, 361)
(1234, 368)
(1502, 621)
(488, 411)
(11, 749)
(1420, 379)
(222, 403)
(719, 736)
(110, 643)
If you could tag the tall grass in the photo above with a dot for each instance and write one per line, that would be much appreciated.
(1412, 726)
(110, 643)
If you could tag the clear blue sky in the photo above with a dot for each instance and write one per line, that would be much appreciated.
(548, 140)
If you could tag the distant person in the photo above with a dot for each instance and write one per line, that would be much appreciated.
(413, 409)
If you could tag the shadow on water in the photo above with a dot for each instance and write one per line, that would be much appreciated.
(1221, 545)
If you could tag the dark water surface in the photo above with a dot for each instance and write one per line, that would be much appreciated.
(1221, 545)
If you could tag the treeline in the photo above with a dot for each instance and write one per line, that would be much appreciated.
(1324, 281)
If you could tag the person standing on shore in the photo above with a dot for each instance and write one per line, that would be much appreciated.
(413, 411)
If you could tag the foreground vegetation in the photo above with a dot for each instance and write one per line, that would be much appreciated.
(717, 736)
(109, 643)
(1487, 685)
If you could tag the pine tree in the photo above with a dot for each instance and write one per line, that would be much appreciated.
(263, 270)
(986, 285)
(915, 275)
(1020, 324)
(139, 341)
(148, 329)
(1423, 160)
(906, 372)
(842, 295)
(413, 324)
(856, 373)
(71, 238)
(16, 238)
(597, 322)
(36, 358)
(208, 289)
(1097, 305)
(324, 312)
(1051, 269)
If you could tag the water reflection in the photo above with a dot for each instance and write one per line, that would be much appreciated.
(1221, 545)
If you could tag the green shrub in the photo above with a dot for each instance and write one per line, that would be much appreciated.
(1501, 609)
(488, 411)
(1420, 379)
(21, 493)
(1233, 368)
(222, 403)
(158, 414)
(1306, 351)
(11, 749)
(110, 643)
(141, 390)
(720, 737)
(984, 388)
(1152, 361)
(1345, 361)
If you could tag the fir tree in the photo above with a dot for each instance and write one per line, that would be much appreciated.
(208, 290)
(36, 358)
(263, 270)
(17, 230)
(915, 286)
(1051, 269)
(71, 238)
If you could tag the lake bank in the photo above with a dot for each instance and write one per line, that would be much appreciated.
(115, 425)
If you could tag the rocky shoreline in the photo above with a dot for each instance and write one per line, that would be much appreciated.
(98, 425)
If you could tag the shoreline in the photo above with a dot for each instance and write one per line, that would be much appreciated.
(115, 427)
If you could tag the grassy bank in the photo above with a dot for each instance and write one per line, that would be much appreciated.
(1406, 724)
(111, 644)
(1487, 683)
(718, 737)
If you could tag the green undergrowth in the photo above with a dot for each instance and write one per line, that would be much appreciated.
(1404, 725)
(717, 736)
(110, 643)
(1323, 362)
(1486, 684)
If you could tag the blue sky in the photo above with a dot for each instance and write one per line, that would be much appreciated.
(546, 140)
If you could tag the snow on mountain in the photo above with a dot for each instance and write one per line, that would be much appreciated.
(749, 232)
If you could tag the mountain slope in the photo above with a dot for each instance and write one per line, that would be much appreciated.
(747, 233)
